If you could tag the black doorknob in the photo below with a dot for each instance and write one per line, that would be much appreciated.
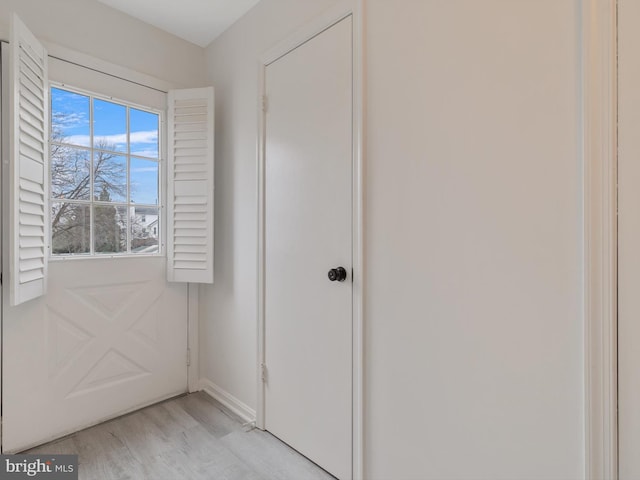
(337, 274)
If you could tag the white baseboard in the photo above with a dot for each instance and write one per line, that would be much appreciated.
(244, 411)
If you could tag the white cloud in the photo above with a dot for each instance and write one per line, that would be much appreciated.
(120, 139)
(145, 153)
(69, 120)
(144, 137)
(144, 170)
(77, 140)
(148, 138)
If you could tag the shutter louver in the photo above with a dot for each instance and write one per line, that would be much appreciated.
(29, 152)
(190, 181)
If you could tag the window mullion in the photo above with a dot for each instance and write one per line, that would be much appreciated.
(91, 180)
(162, 177)
(129, 226)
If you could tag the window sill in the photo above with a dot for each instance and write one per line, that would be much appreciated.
(73, 258)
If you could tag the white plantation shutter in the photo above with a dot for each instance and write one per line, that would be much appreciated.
(28, 144)
(190, 186)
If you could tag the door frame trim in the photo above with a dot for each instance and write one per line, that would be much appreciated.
(4, 167)
(599, 77)
(342, 10)
(193, 345)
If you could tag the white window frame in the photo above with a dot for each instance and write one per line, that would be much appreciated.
(162, 172)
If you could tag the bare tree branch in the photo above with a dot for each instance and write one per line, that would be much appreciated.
(71, 176)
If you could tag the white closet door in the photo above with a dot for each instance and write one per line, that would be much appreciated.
(308, 205)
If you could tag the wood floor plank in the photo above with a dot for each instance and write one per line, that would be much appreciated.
(208, 413)
(191, 437)
(273, 458)
(171, 417)
(207, 456)
(65, 446)
(112, 465)
(142, 438)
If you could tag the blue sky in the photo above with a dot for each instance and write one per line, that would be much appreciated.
(144, 181)
(71, 117)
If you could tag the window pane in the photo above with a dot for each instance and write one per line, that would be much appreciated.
(145, 230)
(110, 229)
(69, 117)
(144, 181)
(70, 169)
(144, 133)
(109, 126)
(109, 177)
(105, 176)
(70, 226)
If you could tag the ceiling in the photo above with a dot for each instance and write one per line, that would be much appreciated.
(197, 21)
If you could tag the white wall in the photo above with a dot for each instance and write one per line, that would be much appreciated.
(228, 336)
(473, 233)
(92, 28)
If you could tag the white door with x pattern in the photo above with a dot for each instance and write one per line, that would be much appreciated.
(110, 335)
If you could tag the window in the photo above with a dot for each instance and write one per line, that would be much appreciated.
(82, 215)
(105, 162)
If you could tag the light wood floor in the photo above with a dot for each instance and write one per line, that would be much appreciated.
(191, 437)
